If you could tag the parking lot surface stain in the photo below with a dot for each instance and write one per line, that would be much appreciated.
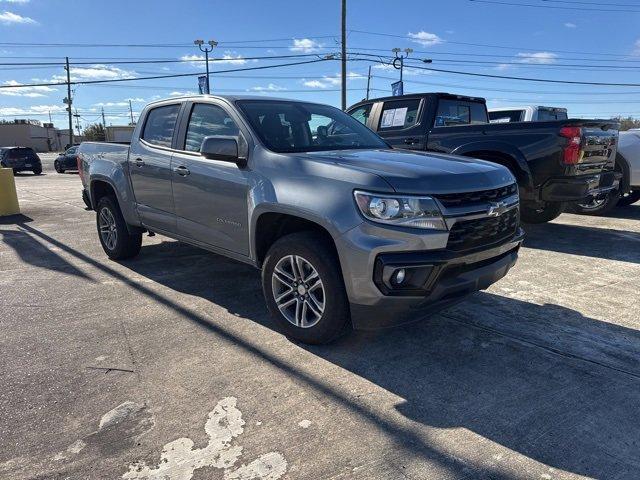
(179, 459)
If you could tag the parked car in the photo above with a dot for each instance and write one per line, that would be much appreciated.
(67, 160)
(556, 162)
(20, 159)
(528, 113)
(629, 160)
(347, 231)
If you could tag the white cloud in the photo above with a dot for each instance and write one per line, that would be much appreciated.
(229, 58)
(425, 39)
(93, 72)
(32, 110)
(31, 92)
(537, 58)
(636, 45)
(22, 2)
(10, 18)
(305, 45)
(331, 81)
(272, 87)
(503, 66)
(570, 25)
(122, 103)
(407, 70)
(178, 93)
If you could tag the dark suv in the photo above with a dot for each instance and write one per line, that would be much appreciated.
(20, 159)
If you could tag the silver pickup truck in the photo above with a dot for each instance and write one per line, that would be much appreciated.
(347, 231)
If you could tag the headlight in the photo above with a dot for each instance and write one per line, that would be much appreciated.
(401, 210)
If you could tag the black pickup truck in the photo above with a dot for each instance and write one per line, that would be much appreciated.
(556, 162)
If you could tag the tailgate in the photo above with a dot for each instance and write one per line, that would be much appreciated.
(599, 142)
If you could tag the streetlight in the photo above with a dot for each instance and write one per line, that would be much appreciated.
(399, 60)
(206, 49)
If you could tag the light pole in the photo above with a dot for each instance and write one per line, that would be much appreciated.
(399, 60)
(206, 49)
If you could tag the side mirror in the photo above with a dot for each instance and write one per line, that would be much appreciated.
(220, 147)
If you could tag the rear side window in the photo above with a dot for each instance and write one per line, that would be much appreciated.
(545, 115)
(399, 114)
(207, 120)
(452, 113)
(161, 121)
(21, 153)
(361, 113)
(506, 116)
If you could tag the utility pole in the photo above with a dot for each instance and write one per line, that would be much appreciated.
(212, 44)
(50, 121)
(69, 101)
(368, 82)
(344, 54)
(130, 112)
(77, 115)
(104, 122)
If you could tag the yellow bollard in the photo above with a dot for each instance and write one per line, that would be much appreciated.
(8, 196)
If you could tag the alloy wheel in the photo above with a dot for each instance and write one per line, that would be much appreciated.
(108, 230)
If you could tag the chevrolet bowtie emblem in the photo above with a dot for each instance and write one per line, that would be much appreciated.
(496, 209)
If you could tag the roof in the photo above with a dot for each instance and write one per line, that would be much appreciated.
(229, 98)
(422, 95)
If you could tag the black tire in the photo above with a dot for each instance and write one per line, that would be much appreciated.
(335, 318)
(56, 165)
(629, 198)
(540, 213)
(37, 170)
(125, 245)
(599, 207)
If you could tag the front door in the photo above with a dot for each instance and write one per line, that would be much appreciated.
(399, 123)
(150, 168)
(210, 196)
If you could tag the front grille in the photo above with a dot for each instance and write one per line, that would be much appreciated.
(483, 196)
(468, 234)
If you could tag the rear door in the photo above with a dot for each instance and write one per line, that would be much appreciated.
(210, 195)
(150, 167)
(399, 123)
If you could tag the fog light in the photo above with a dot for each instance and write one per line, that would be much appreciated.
(399, 276)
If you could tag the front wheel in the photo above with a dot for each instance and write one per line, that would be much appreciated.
(540, 213)
(629, 198)
(56, 165)
(303, 287)
(114, 236)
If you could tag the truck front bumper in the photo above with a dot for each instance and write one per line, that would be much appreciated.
(579, 188)
(439, 278)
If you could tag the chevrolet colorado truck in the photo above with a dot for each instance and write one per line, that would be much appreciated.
(557, 163)
(347, 231)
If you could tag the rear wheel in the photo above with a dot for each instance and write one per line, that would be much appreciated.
(629, 198)
(114, 236)
(542, 213)
(37, 170)
(303, 288)
(599, 206)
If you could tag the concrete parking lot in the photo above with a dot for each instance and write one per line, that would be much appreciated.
(168, 366)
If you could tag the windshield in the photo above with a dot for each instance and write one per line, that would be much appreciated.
(305, 127)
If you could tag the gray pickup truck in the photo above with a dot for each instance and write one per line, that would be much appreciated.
(347, 231)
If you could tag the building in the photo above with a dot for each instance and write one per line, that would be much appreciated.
(30, 133)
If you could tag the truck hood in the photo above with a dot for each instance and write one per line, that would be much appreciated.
(421, 172)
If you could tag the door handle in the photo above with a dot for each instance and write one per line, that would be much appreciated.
(139, 162)
(181, 170)
(411, 141)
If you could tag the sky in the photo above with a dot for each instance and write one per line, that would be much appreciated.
(565, 40)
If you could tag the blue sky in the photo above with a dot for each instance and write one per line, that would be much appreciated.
(562, 40)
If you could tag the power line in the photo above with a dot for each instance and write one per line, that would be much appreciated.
(556, 7)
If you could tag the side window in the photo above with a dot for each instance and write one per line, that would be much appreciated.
(452, 113)
(161, 121)
(207, 120)
(506, 116)
(362, 113)
(399, 114)
(71, 151)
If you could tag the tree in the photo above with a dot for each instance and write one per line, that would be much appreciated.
(627, 123)
(95, 132)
